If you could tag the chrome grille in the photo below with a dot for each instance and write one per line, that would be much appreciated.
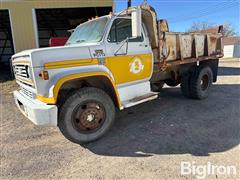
(21, 70)
(27, 92)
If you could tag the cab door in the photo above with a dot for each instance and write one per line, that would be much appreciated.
(128, 60)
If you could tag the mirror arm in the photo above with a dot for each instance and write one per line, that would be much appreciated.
(123, 42)
(127, 45)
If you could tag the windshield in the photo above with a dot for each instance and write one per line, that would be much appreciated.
(91, 31)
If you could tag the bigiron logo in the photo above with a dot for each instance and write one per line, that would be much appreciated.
(201, 171)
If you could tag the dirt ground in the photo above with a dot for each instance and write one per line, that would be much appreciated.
(148, 141)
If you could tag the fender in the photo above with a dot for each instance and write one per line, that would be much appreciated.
(62, 80)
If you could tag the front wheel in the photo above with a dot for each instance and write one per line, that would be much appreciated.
(86, 115)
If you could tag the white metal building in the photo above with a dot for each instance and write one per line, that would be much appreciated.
(231, 47)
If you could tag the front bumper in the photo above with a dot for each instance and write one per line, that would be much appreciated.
(38, 112)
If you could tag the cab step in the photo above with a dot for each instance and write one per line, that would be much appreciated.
(138, 100)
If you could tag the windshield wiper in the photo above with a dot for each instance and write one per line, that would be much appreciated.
(80, 40)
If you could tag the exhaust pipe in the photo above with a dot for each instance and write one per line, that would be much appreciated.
(129, 4)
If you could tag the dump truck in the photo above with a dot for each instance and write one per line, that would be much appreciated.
(108, 64)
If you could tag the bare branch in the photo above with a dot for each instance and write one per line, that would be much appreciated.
(228, 29)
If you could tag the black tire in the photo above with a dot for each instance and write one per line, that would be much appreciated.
(201, 82)
(185, 85)
(157, 87)
(74, 115)
(172, 82)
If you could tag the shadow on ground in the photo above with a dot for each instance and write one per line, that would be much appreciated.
(174, 125)
(228, 71)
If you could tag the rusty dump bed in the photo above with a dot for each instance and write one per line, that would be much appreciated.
(171, 49)
(181, 48)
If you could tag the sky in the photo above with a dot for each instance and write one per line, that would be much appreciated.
(182, 13)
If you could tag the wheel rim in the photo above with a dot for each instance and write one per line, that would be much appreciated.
(88, 117)
(204, 82)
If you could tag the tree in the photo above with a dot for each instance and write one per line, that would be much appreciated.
(228, 29)
(200, 25)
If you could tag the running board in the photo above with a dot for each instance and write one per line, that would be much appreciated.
(141, 99)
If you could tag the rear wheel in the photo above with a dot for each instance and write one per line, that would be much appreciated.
(201, 82)
(86, 115)
(196, 85)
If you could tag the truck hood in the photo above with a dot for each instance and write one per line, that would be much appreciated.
(38, 57)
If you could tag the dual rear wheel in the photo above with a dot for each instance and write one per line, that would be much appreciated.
(194, 85)
(197, 84)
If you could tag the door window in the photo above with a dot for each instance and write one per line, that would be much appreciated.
(122, 29)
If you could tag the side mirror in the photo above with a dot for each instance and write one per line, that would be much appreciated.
(136, 23)
(163, 25)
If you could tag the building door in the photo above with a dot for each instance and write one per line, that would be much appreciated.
(59, 22)
(6, 40)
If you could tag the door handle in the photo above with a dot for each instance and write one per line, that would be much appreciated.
(141, 45)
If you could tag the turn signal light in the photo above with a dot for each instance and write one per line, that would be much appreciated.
(44, 75)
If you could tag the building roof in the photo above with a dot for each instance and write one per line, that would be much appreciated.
(231, 40)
